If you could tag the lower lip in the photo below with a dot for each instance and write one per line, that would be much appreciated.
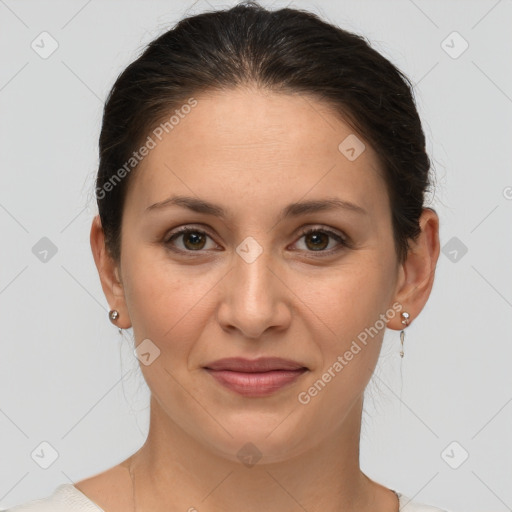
(255, 384)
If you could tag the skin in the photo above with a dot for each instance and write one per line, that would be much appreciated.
(253, 152)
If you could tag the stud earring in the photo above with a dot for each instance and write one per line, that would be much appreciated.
(113, 314)
(405, 322)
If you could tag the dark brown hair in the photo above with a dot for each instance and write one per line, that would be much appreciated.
(286, 50)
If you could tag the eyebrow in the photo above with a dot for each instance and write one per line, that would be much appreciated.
(292, 210)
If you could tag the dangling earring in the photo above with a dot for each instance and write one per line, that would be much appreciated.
(113, 314)
(405, 322)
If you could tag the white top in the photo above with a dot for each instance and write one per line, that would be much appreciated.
(67, 498)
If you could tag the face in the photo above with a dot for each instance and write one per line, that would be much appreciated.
(249, 283)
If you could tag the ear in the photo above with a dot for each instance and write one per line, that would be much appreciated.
(416, 274)
(110, 275)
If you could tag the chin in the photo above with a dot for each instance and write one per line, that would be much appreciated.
(255, 441)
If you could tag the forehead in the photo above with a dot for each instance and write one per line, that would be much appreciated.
(258, 143)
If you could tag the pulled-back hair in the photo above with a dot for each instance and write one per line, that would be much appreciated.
(286, 50)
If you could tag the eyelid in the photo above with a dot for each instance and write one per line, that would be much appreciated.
(340, 237)
(189, 227)
(181, 230)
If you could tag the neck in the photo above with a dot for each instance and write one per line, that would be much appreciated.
(173, 471)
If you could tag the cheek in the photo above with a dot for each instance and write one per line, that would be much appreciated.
(170, 310)
(348, 304)
(370, 293)
(167, 304)
(351, 298)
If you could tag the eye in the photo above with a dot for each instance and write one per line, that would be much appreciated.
(192, 239)
(318, 239)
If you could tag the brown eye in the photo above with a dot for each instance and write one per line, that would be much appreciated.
(318, 240)
(191, 239)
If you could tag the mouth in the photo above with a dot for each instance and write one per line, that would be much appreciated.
(256, 377)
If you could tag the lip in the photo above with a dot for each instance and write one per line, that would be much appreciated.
(262, 364)
(255, 377)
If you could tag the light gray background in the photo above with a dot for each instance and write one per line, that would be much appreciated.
(69, 379)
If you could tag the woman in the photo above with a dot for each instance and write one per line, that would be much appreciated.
(261, 222)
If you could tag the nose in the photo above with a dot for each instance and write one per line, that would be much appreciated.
(254, 297)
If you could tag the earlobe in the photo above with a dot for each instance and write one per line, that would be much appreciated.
(418, 270)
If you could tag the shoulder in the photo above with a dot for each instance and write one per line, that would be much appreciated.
(65, 498)
(109, 490)
(408, 505)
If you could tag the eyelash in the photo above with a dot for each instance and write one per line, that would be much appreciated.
(343, 242)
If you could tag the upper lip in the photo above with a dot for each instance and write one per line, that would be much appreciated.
(262, 364)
